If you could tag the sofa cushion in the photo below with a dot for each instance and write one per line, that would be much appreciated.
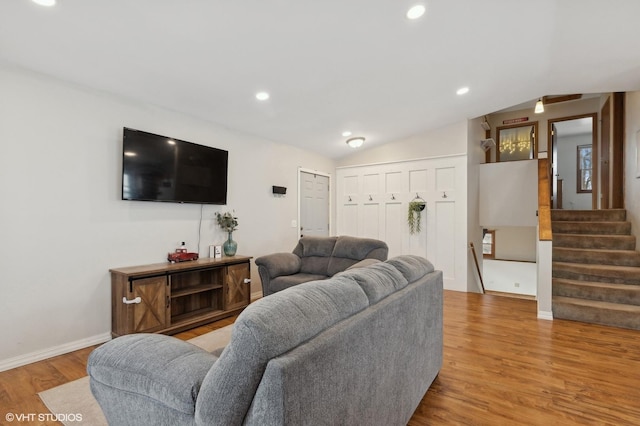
(314, 254)
(124, 364)
(267, 328)
(377, 281)
(412, 267)
(350, 250)
(286, 281)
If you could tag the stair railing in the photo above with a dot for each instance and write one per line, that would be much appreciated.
(544, 243)
(544, 200)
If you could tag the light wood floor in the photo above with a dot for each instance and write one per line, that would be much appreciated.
(502, 366)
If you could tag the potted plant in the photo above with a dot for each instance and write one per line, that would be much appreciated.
(414, 215)
(229, 223)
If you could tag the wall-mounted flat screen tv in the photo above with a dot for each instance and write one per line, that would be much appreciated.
(161, 168)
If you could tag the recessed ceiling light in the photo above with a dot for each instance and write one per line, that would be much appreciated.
(346, 133)
(262, 96)
(416, 11)
(45, 2)
(462, 91)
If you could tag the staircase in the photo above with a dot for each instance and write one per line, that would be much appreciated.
(596, 270)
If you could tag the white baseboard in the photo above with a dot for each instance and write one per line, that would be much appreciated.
(19, 361)
(545, 315)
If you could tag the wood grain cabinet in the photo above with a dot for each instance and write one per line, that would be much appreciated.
(168, 298)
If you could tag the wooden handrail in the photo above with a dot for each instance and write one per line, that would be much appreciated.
(544, 200)
(475, 259)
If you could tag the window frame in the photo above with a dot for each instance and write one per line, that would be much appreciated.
(579, 169)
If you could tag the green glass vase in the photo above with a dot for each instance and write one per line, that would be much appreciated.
(230, 247)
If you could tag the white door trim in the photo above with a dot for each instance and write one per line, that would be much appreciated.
(316, 172)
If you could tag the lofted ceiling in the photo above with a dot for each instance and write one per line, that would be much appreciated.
(329, 66)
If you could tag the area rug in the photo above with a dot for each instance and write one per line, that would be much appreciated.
(73, 403)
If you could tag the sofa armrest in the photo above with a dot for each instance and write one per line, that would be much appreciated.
(148, 371)
(275, 265)
(278, 264)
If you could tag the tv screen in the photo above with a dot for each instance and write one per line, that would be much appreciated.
(160, 168)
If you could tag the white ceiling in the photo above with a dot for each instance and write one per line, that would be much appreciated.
(329, 65)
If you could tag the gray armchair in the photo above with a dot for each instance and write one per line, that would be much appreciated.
(317, 258)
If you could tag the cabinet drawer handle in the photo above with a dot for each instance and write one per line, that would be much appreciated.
(247, 280)
(130, 302)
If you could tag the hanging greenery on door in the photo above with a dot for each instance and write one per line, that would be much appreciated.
(414, 215)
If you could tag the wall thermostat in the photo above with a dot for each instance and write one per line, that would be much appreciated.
(279, 190)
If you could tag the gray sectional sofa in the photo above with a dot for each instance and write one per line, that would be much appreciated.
(317, 258)
(360, 348)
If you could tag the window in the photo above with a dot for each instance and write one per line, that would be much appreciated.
(584, 168)
(517, 142)
(489, 244)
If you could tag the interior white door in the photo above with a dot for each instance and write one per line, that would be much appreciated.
(314, 204)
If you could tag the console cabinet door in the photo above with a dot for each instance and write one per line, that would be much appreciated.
(152, 313)
(238, 287)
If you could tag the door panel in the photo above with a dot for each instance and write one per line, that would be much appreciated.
(394, 220)
(371, 221)
(237, 291)
(445, 238)
(314, 205)
(152, 313)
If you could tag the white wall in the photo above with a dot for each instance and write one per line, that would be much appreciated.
(475, 156)
(509, 193)
(64, 225)
(553, 111)
(632, 162)
(448, 140)
(567, 171)
(510, 277)
(516, 243)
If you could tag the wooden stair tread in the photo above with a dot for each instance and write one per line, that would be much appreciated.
(592, 250)
(595, 222)
(608, 215)
(612, 268)
(633, 309)
(631, 287)
(621, 236)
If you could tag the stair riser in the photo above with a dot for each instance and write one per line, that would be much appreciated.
(603, 278)
(561, 254)
(600, 228)
(618, 242)
(630, 296)
(594, 315)
(589, 215)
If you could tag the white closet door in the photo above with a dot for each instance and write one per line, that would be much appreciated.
(393, 214)
(373, 202)
(370, 212)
